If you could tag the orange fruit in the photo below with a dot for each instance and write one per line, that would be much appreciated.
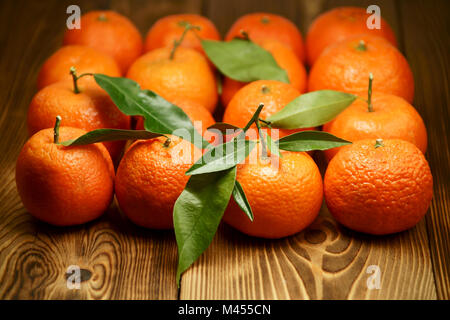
(267, 26)
(64, 185)
(392, 118)
(285, 198)
(90, 109)
(285, 58)
(195, 112)
(345, 66)
(338, 24)
(84, 59)
(169, 29)
(379, 190)
(186, 76)
(110, 33)
(151, 177)
(275, 95)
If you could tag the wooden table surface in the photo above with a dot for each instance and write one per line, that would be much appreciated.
(122, 261)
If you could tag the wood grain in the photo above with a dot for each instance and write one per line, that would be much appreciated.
(426, 44)
(121, 261)
(325, 261)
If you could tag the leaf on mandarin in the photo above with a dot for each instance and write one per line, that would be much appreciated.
(241, 199)
(197, 214)
(311, 109)
(243, 60)
(223, 127)
(310, 140)
(103, 135)
(160, 116)
(222, 157)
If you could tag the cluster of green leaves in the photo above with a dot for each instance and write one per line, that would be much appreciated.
(308, 110)
(200, 207)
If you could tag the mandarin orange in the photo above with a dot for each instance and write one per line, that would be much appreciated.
(61, 185)
(110, 33)
(90, 109)
(169, 29)
(285, 195)
(186, 75)
(84, 59)
(391, 118)
(378, 187)
(345, 66)
(150, 178)
(275, 95)
(262, 26)
(338, 24)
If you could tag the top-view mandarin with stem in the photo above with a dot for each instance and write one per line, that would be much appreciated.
(110, 33)
(340, 23)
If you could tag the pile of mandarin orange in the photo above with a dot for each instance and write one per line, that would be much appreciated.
(380, 184)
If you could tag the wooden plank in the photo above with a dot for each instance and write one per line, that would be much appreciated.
(425, 31)
(325, 261)
(118, 260)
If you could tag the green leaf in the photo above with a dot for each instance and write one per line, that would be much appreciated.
(222, 157)
(310, 140)
(223, 127)
(197, 214)
(103, 135)
(241, 200)
(311, 109)
(160, 116)
(243, 60)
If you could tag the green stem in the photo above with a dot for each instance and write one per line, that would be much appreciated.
(369, 93)
(266, 123)
(75, 78)
(265, 20)
(102, 17)
(361, 46)
(254, 118)
(244, 35)
(73, 72)
(56, 130)
(167, 142)
(177, 43)
(265, 89)
(379, 143)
